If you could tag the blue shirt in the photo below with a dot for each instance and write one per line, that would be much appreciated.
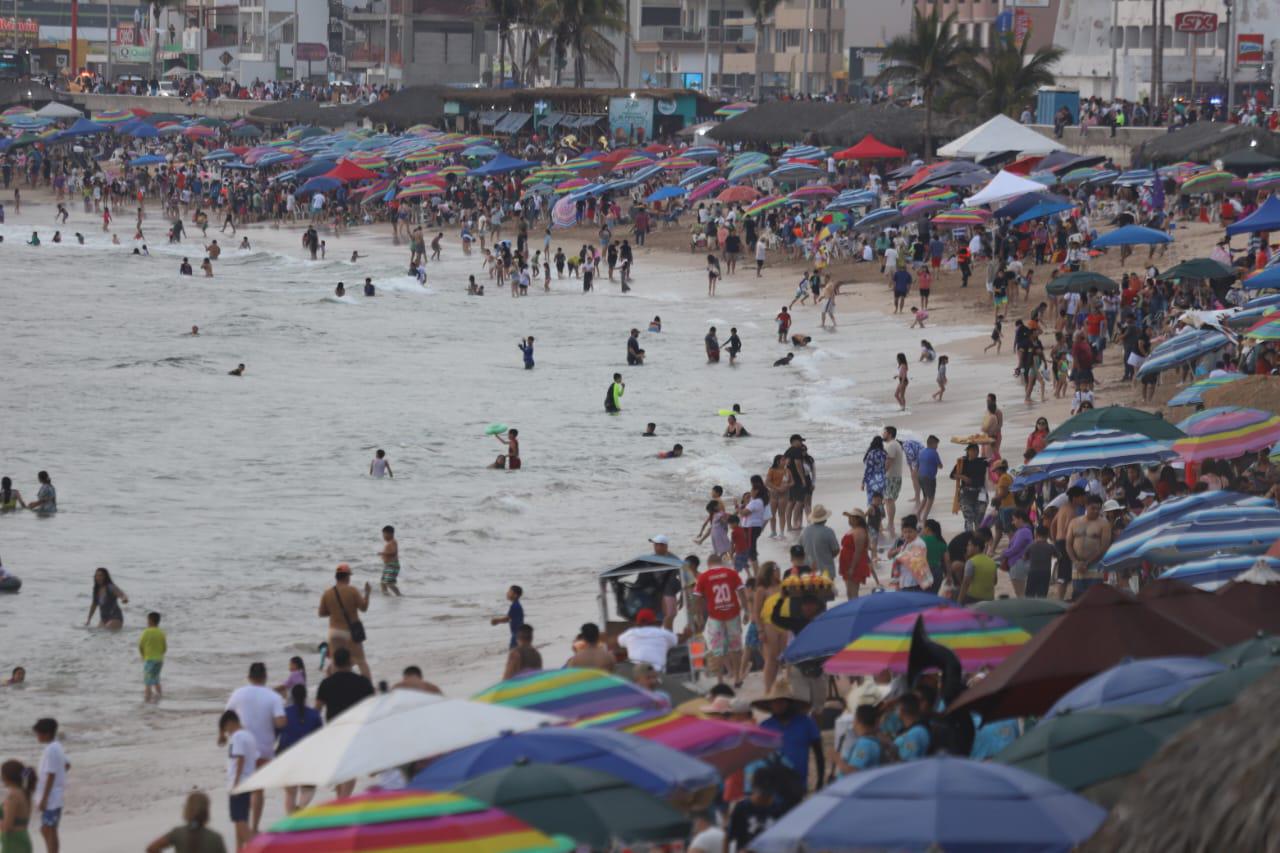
(992, 738)
(863, 753)
(928, 463)
(515, 618)
(798, 733)
(299, 721)
(527, 349)
(912, 744)
(901, 282)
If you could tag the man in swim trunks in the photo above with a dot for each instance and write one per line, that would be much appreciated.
(1088, 538)
(635, 355)
(390, 555)
(342, 604)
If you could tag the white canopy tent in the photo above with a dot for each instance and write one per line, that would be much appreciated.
(56, 110)
(388, 731)
(1003, 186)
(999, 134)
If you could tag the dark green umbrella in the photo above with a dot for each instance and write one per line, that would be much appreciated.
(246, 131)
(1199, 268)
(1261, 647)
(591, 807)
(1120, 418)
(210, 121)
(1218, 691)
(1029, 614)
(1247, 160)
(1083, 749)
(1081, 282)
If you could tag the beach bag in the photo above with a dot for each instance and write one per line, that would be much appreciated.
(356, 628)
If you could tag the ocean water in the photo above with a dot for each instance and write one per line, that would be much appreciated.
(224, 503)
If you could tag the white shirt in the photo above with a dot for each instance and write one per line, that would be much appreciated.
(890, 258)
(52, 761)
(893, 458)
(241, 744)
(379, 467)
(975, 246)
(710, 840)
(760, 249)
(257, 707)
(648, 644)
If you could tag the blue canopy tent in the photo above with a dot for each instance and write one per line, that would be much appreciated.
(1265, 218)
(501, 164)
(147, 160)
(314, 168)
(138, 129)
(1132, 235)
(82, 127)
(1043, 209)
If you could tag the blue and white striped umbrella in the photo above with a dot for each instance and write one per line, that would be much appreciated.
(747, 170)
(1268, 279)
(802, 152)
(1106, 176)
(701, 152)
(694, 175)
(1233, 530)
(219, 155)
(852, 198)
(1175, 509)
(748, 157)
(1271, 301)
(880, 217)
(1193, 394)
(1217, 570)
(1183, 349)
(1095, 448)
(1135, 178)
(795, 172)
(647, 172)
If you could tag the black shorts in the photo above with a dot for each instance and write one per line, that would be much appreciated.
(928, 487)
(798, 493)
(240, 807)
(1063, 575)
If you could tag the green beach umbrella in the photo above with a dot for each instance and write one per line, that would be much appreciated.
(1198, 268)
(1261, 647)
(593, 808)
(1029, 614)
(1120, 418)
(1218, 691)
(1081, 281)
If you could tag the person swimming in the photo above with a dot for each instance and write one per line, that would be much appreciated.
(655, 325)
(674, 453)
(244, 244)
(340, 290)
(355, 256)
(734, 429)
(800, 340)
(195, 331)
(613, 396)
(57, 236)
(185, 267)
(368, 287)
(79, 238)
(785, 360)
(239, 371)
(35, 239)
(650, 431)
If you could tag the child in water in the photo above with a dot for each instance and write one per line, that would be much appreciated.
(526, 348)
(511, 459)
(674, 453)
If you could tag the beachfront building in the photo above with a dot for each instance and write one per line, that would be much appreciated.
(868, 27)
(439, 42)
(257, 39)
(125, 40)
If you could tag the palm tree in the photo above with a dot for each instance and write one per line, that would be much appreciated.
(579, 27)
(761, 10)
(1003, 79)
(932, 56)
(505, 12)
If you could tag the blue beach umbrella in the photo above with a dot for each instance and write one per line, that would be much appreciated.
(747, 170)
(1217, 570)
(693, 176)
(1193, 394)
(1043, 209)
(319, 185)
(139, 130)
(648, 172)
(220, 155)
(939, 803)
(844, 623)
(1200, 535)
(878, 218)
(802, 152)
(1159, 517)
(82, 127)
(701, 152)
(1132, 235)
(795, 172)
(1268, 279)
(1149, 681)
(500, 165)
(646, 764)
(147, 160)
(852, 198)
(1136, 178)
(315, 168)
(479, 151)
(1099, 448)
(664, 193)
(1183, 349)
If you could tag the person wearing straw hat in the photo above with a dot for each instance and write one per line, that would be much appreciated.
(789, 717)
(821, 547)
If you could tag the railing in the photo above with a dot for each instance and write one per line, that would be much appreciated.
(732, 35)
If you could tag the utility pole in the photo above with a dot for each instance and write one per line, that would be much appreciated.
(75, 31)
(386, 44)
(15, 26)
(706, 47)
(720, 58)
(808, 36)
(1155, 55)
(297, 30)
(1115, 32)
(111, 42)
(626, 49)
(1160, 46)
(1229, 60)
(831, 84)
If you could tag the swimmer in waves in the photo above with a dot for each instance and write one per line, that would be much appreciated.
(369, 289)
(785, 360)
(650, 430)
(239, 371)
(511, 459)
(734, 429)
(340, 290)
(244, 244)
(674, 453)
(801, 340)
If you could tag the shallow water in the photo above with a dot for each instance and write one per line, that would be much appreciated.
(225, 502)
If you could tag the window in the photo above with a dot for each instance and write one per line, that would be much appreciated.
(786, 40)
(659, 16)
(1132, 37)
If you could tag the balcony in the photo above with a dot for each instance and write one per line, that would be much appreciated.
(681, 35)
(370, 54)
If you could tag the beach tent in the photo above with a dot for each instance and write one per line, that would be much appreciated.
(1001, 133)
(349, 172)
(870, 148)
(56, 110)
(82, 127)
(1132, 235)
(500, 164)
(1003, 186)
(1265, 218)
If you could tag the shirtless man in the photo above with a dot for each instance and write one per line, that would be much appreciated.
(390, 555)
(1088, 538)
(827, 298)
(214, 250)
(589, 652)
(342, 604)
(1066, 513)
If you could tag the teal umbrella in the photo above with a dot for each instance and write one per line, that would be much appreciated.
(1261, 647)
(1029, 614)
(1081, 281)
(1120, 418)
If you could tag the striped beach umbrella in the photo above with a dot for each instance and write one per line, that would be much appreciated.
(1159, 517)
(1227, 432)
(748, 157)
(738, 195)
(420, 191)
(18, 110)
(455, 170)
(403, 821)
(748, 170)
(725, 745)
(966, 217)
(571, 185)
(852, 198)
(930, 194)
(632, 161)
(1135, 178)
(1199, 535)
(583, 164)
(1217, 570)
(735, 109)
(677, 163)
(1183, 348)
(198, 131)
(707, 188)
(1098, 448)
(565, 213)
(814, 192)
(114, 117)
(1266, 329)
(1263, 181)
(694, 175)
(978, 640)
(571, 693)
(922, 209)
(795, 172)
(802, 152)
(765, 204)
(701, 152)
(1079, 176)
(425, 156)
(1207, 182)
(1193, 394)
(879, 218)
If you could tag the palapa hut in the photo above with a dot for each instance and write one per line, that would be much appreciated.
(820, 123)
(297, 111)
(1204, 142)
(901, 127)
(780, 122)
(24, 92)
(1212, 788)
(407, 107)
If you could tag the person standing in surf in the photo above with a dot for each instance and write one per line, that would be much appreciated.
(613, 397)
(390, 555)
(526, 348)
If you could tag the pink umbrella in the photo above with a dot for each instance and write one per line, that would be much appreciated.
(199, 131)
(707, 188)
(814, 192)
(740, 194)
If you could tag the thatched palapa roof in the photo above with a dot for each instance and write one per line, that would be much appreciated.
(1204, 141)
(1211, 788)
(821, 123)
(407, 107)
(297, 111)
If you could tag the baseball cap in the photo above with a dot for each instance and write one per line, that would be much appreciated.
(660, 539)
(796, 437)
(646, 616)
(343, 569)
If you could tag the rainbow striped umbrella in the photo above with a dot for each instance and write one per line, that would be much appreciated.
(572, 184)
(734, 109)
(427, 156)
(457, 171)
(1079, 176)
(18, 111)
(1263, 180)
(571, 693)
(549, 175)
(632, 161)
(765, 204)
(368, 160)
(1181, 171)
(405, 822)
(978, 639)
(725, 745)
(420, 191)
(1227, 432)
(1207, 182)
(921, 209)
(583, 164)
(814, 192)
(1266, 329)
(708, 188)
(931, 194)
(114, 117)
(679, 163)
(968, 217)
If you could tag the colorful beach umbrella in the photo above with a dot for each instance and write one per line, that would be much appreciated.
(737, 108)
(879, 218)
(114, 117)
(1263, 181)
(565, 213)
(1193, 394)
(404, 821)
(726, 746)
(677, 163)
(763, 205)
(814, 192)
(930, 194)
(1218, 570)
(707, 188)
(1030, 614)
(572, 184)
(632, 161)
(1199, 535)
(694, 175)
(1207, 182)
(1227, 432)
(571, 693)
(939, 803)
(739, 195)
(747, 170)
(966, 217)
(1097, 448)
(844, 623)
(922, 209)
(978, 640)
(1184, 348)
(1266, 329)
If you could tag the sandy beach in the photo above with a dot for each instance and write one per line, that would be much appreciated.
(133, 765)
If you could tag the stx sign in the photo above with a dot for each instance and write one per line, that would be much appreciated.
(1195, 22)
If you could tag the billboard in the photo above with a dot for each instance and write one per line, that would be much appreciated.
(1249, 48)
(311, 52)
(1195, 22)
(627, 114)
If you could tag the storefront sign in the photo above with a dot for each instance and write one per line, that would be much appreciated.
(627, 114)
(1195, 22)
(1249, 48)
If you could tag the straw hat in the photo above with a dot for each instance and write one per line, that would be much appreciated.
(819, 514)
(781, 690)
